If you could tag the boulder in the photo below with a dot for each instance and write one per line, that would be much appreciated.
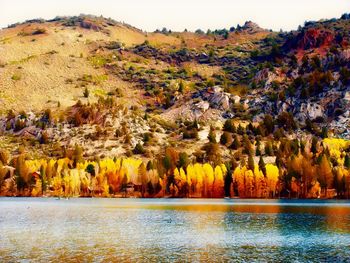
(311, 110)
(236, 99)
(217, 98)
(266, 76)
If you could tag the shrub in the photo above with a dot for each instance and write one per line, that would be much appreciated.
(19, 125)
(4, 157)
(225, 138)
(39, 31)
(16, 77)
(229, 126)
(183, 160)
(147, 137)
(44, 139)
(235, 144)
(212, 135)
(90, 169)
(190, 134)
(86, 93)
(138, 149)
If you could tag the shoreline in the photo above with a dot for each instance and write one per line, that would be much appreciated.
(170, 198)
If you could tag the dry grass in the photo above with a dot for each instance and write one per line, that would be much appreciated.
(46, 64)
(50, 63)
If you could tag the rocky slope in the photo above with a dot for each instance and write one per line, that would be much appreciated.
(109, 86)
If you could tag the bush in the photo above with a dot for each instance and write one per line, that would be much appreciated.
(190, 134)
(138, 149)
(44, 139)
(39, 31)
(4, 157)
(212, 135)
(235, 144)
(229, 126)
(90, 169)
(16, 77)
(86, 93)
(183, 160)
(225, 138)
(19, 125)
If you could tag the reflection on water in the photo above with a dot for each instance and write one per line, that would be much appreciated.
(153, 230)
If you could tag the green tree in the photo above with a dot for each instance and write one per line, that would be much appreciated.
(142, 173)
(229, 126)
(138, 149)
(235, 144)
(181, 87)
(251, 164)
(90, 169)
(86, 92)
(262, 165)
(347, 161)
(183, 160)
(324, 132)
(268, 123)
(77, 155)
(43, 179)
(225, 138)
(212, 135)
(268, 149)
(150, 165)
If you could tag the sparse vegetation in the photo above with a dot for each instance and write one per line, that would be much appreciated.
(243, 97)
(16, 77)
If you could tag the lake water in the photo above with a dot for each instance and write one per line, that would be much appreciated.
(173, 230)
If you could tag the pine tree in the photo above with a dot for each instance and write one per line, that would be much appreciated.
(229, 126)
(212, 135)
(251, 164)
(235, 144)
(268, 149)
(225, 138)
(347, 161)
(262, 165)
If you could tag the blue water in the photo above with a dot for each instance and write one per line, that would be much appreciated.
(173, 230)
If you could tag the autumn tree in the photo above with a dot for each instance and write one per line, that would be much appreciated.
(4, 157)
(212, 152)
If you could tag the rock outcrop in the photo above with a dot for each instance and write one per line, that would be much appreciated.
(250, 27)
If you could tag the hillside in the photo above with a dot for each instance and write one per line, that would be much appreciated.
(90, 88)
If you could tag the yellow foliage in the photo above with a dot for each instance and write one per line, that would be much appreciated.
(37, 190)
(218, 186)
(336, 143)
(272, 175)
(57, 185)
(336, 146)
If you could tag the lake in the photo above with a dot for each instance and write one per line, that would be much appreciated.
(173, 230)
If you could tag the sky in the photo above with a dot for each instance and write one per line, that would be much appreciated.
(177, 15)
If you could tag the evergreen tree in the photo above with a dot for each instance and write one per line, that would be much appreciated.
(235, 144)
(347, 161)
(251, 164)
(212, 135)
(262, 165)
